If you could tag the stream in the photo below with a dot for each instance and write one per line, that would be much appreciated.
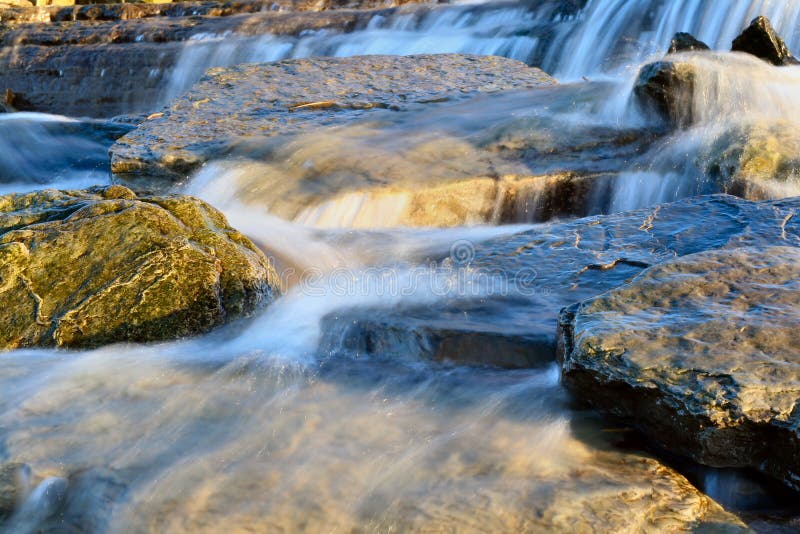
(261, 419)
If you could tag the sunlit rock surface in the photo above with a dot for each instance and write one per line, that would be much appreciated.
(702, 353)
(289, 96)
(139, 269)
(503, 303)
(755, 159)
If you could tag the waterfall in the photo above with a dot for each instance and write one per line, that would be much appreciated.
(612, 32)
(598, 39)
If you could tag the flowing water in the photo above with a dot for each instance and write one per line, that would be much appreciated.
(255, 421)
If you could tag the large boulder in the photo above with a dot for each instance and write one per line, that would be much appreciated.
(701, 353)
(761, 40)
(85, 268)
(756, 160)
(291, 96)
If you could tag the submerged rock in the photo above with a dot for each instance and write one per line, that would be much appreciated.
(14, 482)
(685, 42)
(756, 160)
(702, 354)
(667, 87)
(290, 96)
(761, 40)
(139, 268)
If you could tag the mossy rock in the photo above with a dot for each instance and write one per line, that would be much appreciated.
(87, 268)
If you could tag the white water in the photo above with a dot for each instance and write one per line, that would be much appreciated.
(637, 29)
(736, 98)
(37, 149)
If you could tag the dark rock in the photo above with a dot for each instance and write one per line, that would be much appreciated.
(761, 40)
(667, 87)
(685, 42)
(15, 102)
(141, 268)
(701, 353)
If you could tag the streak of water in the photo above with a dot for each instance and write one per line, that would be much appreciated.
(38, 150)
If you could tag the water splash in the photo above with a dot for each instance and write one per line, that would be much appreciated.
(613, 34)
(743, 139)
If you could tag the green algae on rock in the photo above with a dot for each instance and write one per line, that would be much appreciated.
(701, 354)
(86, 268)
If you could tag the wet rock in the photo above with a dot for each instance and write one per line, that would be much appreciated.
(486, 159)
(509, 295)
(685, 42)
(667, 88)
(701, 353)
(295, 95)
(141, 268)
(70, 11)
(761, 40)
(757, 160)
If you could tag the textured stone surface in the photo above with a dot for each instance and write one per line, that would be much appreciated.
(140, 269)
(288, 96)
(702, 353)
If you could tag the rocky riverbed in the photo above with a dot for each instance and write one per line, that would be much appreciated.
(400, 266)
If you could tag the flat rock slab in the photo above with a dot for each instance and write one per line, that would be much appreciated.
(503, 307)
(290, 96)
(702, 353)
(139, 268)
